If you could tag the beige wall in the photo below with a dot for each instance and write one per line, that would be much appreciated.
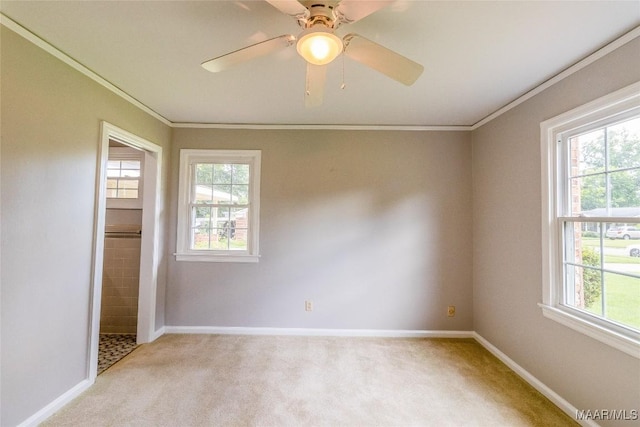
(381, 230)
(507, 249)
(50, 131)
(373, 227)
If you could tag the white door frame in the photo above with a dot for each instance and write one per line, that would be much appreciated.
(149, 246)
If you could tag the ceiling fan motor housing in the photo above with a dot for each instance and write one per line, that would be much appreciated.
(320, 13)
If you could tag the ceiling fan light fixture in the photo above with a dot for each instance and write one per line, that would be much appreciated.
(319, 46)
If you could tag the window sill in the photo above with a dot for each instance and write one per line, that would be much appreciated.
(581, 324)
(207, 257)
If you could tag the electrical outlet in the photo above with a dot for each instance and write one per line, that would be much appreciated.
(308, 306)
(451, 310)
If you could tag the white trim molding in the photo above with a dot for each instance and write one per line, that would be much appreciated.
(187, 184)
(47, 47)
(554, 397)
(255, 126)
(616, 44)
(621, 103)
(157, 334)
(56, 404)
(149, 250)
(592, 329)
(389, 333)
(57, 53)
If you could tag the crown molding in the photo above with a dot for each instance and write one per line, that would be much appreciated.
(320, 127)
(57, 53)
(28, 35)
(619, 42)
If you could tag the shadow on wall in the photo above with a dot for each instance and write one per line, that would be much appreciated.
(381, 264)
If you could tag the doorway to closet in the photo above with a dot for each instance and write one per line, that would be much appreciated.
(121, 261)
(126, 251)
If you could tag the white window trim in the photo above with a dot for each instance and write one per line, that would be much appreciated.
(190, 156)
(619, 102)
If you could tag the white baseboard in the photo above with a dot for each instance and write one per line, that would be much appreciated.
(391, 333)
(558, 400)
(157, 334)
(57, 404)
(564, 405)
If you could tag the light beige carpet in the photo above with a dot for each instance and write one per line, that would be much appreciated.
(224, 380)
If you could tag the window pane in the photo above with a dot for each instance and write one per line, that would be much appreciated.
(621, 249)
(623, 232)
(112, 193)
(587, 153)
(221, 218)
(112, 183)
(593, 259)
(204, 173)
(588, 195)
(583, 288)
(131, 164)
(222, 174)
(240, 194)
(222, 193)
(240, 214)
(241, 174)
(203, 194)
(625, 190)
(127, 194)
(113, 164)
(128, 183)
(583, 247)
(202, 217)
(624, 144)
(622, 298)
(238, 228)
(200, 238)
(131, 173)
(220, 239)
(582, 243)
(239, 241)
(222, 213)
(113, 173)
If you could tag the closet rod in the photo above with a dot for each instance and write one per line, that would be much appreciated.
(123, 234)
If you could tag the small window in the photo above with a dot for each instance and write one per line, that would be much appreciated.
(124, 178)
(219, 198)
(591, 221)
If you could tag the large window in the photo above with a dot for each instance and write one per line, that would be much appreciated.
(591, 219)
(219, 199)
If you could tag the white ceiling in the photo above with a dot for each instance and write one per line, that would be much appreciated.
(478, 56)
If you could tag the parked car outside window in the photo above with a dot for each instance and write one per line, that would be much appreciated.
(624, 232)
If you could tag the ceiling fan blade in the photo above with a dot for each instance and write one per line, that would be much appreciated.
(354, 10)
(314, 92)
(247, 53)
(381, 59)
(289, 7)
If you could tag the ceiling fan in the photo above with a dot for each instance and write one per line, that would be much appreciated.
(319, 45)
